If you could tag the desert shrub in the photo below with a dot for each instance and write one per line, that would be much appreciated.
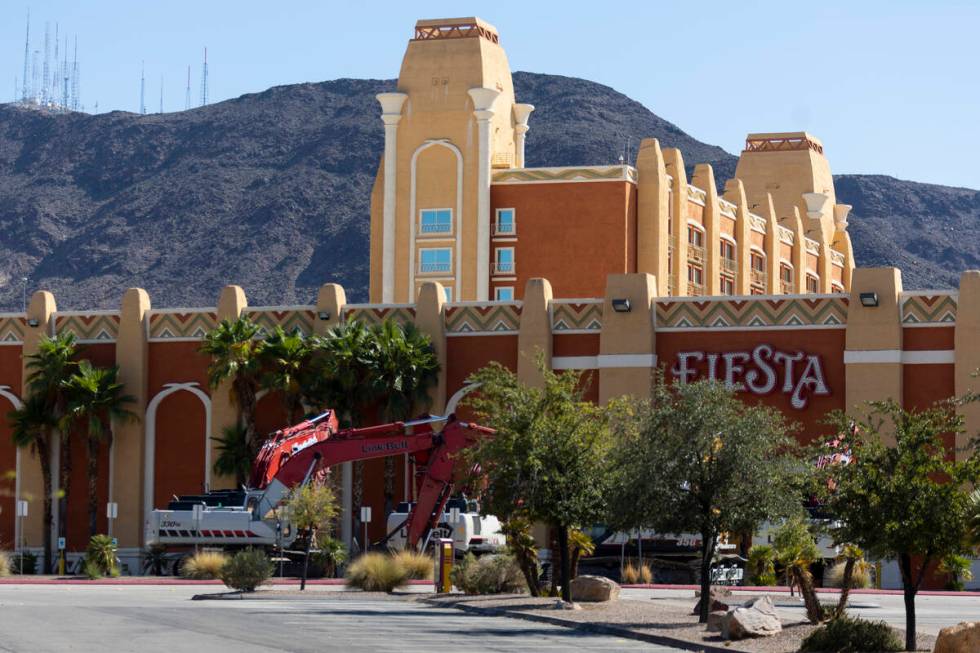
(100, 558)
(246, 570)
(493, 574)
(24, 560)
(645, 573)
(154, 559)
(956, 569)
(860, 576)
(761, 566)
(851, 635)
(330, 553)
(4, 564)
(629, 574)
(417, 566)
(376, 572)
(204, 565)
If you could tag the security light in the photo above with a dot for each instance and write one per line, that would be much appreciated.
(32, 322)
(869, 299)
(621, 305)
(323, 315)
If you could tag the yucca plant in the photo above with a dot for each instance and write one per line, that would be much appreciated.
(851, 570)
(100, 557)
(761, 566)
(956, 568)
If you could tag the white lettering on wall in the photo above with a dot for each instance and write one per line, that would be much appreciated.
(760, 372)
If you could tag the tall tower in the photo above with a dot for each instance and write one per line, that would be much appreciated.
(27, 59)
(142, 89)
(46, 74)
(204, 80)
(187, 93)
(450, 120)
(75, 80)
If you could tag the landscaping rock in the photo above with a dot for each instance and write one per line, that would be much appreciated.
(715, 595)
(961, 638)
(715, 620)
(594, 589)
(755, 618)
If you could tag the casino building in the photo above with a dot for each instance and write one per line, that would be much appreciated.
(606, 271)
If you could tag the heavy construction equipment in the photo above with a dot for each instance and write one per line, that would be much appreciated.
(292, 457)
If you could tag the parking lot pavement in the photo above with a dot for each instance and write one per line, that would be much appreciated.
(932, 613)
(164, 619)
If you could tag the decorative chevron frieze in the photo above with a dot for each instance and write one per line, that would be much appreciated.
(929, 309)
(576, 316)
(492, 318)
(370, 315)
(292, 320)
(729, 313)
(88, 327)
(166, 325)
(12, 329)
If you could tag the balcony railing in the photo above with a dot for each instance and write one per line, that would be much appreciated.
(786, 287)
(504, 268)
(505, 229)
(757, 278)
(728, 265)
(695, 289)
(426, 268)
(437, 228)
(695, 253)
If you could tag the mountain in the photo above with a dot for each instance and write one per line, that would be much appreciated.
(271, 191)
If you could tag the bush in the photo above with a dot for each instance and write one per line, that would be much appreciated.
(100, 558)
(417, 565)
(24, 560)
(956, 569)
(847, 635)
(4, 564)
(761, 567)
(204, 565)
(330, 553)
(629, 574)
(376, 572)
(646, 574)
(494, 574)
(860, 576)
(246, 570)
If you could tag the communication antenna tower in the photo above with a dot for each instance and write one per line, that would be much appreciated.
(161, 93)
(75, 82)
(46, 71)
(27, 59)
(204, 80)
(65, 74)
(55, 73)
(187, 95)
(142, 90)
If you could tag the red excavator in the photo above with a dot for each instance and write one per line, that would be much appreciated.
(293, 456)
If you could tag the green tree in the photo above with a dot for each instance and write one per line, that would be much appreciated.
(236, 357)
(403, 367)
(235, 456)
(311, 507)
(48, 372)
(902, 497)
(696, 459)
(96, 399)
(286, 357)
(34, 427)
(548, 460)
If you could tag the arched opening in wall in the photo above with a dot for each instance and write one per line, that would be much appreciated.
(180, 447)
(8, 478)
(270, 414)
(77, 527)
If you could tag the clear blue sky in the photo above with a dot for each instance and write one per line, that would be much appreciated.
(890, 87)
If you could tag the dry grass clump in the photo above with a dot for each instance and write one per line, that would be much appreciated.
(376, 572)
(204, 565)
(635, 574)
(860, 577)
(417, 565)
(4, 563)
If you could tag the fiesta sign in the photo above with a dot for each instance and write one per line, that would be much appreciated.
(761, 371)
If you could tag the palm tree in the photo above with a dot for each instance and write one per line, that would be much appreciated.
(33, 427)
(236, 356)
(96, 397)
(234, 454)
(403, 369)
(49, 370)
(286, 357)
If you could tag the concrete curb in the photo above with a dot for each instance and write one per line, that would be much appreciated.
(157, 580)
(782, 589)
(599, 629)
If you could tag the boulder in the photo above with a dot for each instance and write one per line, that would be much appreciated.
(715, 620)
(961, 638)
(594, 589)
(715, 595)
(754, 618)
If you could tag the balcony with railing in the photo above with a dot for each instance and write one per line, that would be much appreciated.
(430, 268)
(728, 265)
(757, 280)
(695, 289)
(430, 228)
(786, 287)
(501, 268)
(695, 253)
(504, 229)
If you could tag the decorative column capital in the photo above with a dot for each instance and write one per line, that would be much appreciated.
(816, 204)
(521, 114)
(483, 99)
(391, 106)
(841, 212)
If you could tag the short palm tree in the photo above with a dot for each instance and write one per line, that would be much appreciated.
(236, 356)
(234, 454)
(34, 428)
(48, 372)
(286, 357)
(95, 399)
(403, 368)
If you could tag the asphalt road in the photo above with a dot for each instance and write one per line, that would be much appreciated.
(37, 619)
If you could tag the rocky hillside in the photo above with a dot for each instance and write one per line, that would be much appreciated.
(271, 191)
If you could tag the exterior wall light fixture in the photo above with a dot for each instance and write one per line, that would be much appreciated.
(869, 299)
(323, 315)
(621, 305)
(32, 322)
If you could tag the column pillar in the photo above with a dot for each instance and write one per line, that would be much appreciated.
(430, 319)
(391, 114)
(128, 453)
(735, 193)
(652, 212)
(799, 252)
(40, 313)
(842, 242)
(967, 356)
(773, 246)
(873, 350)
(627, 343)
(704, 178)
(483, 99)
(674, 165)
(330, 301)
(534, 337)
(224, 410)
(521, 113)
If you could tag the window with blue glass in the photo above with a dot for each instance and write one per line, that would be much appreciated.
(505, 260)
(504, 294)
(435, 260)
(505, 222)
(436, 221)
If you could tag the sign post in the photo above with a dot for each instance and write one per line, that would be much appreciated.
(21, 513)
(62, 543)
(111, 513)
(444, 566)
(197, 512)
(365, 519)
